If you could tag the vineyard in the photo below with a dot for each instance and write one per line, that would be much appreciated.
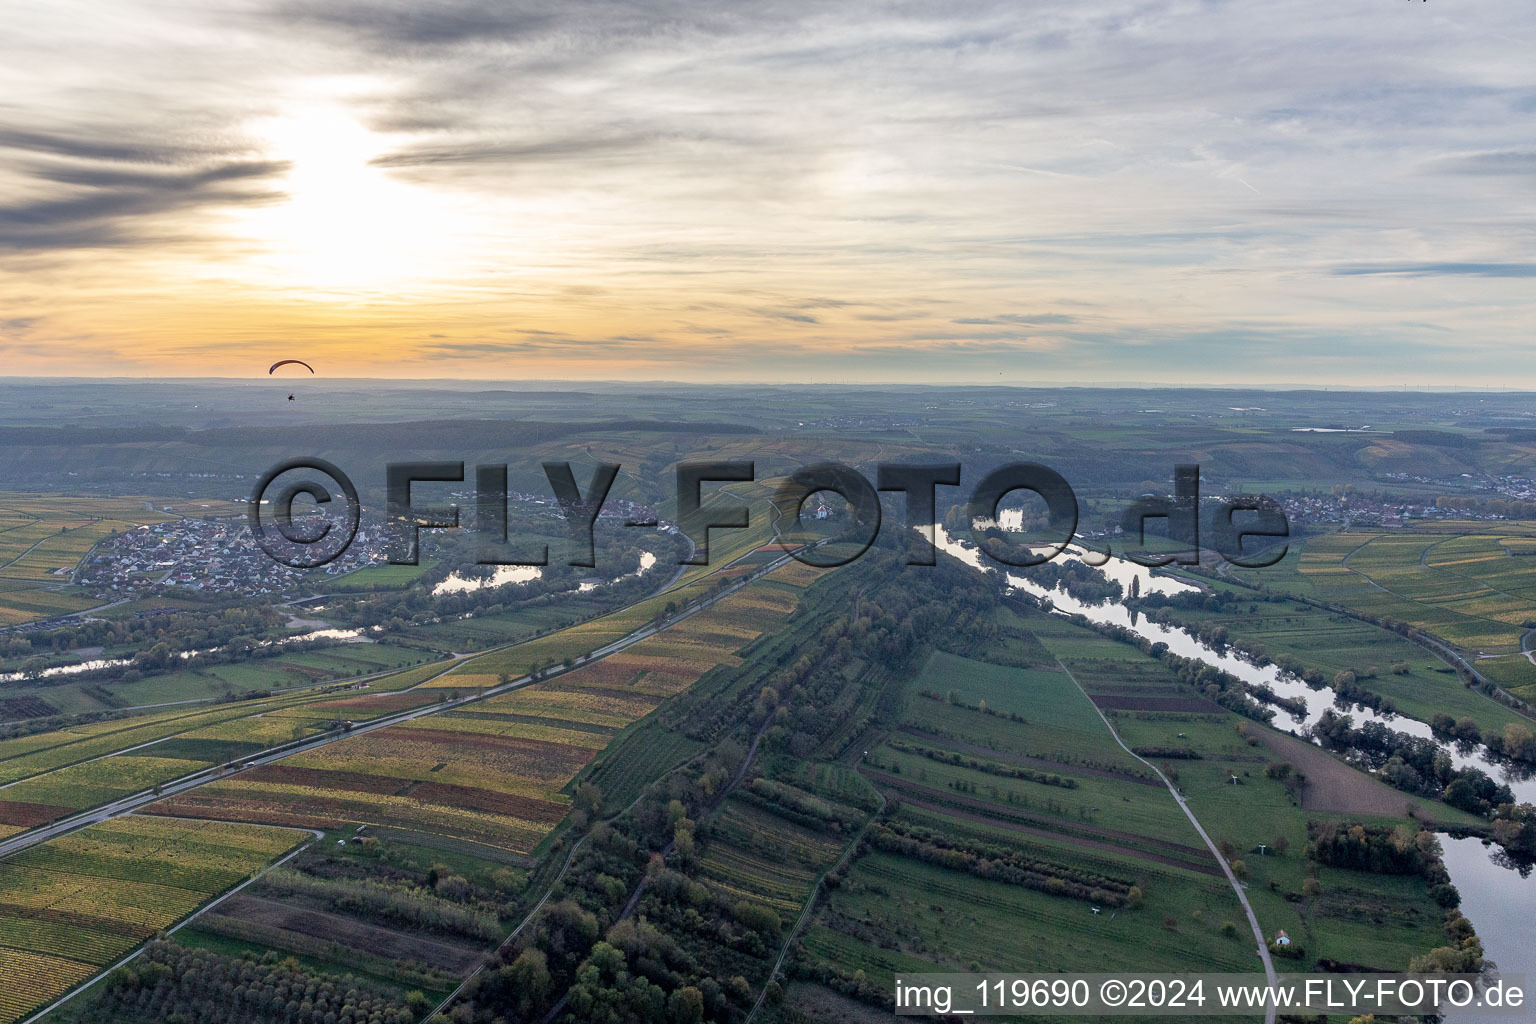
(496, 773)
(43, 537)
(1472, 590)
(46, 775)
(79, 903)
(752, 853)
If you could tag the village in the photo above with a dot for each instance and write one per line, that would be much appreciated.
(211, 556)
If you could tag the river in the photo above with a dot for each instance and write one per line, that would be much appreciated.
(458, 583)
(1501, 905)
(1186, 644)
(353, 636)
(1499, 902)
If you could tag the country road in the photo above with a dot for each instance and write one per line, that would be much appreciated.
(129, 804)
(1242, 897)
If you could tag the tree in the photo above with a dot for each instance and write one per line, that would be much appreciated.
(587, 796)
(1519, 742)
(686, 1006)
(528, 977)
(608, 960)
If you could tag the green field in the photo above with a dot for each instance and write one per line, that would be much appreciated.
(1474, 589)
(1332, 643)
(951, 770)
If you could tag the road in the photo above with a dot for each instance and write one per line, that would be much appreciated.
(1242, 897)
(129, 804)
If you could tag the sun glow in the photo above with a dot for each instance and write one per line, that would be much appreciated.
(345, 225)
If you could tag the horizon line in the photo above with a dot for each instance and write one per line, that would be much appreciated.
(569, 383)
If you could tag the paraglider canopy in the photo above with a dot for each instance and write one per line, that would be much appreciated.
(285, 362)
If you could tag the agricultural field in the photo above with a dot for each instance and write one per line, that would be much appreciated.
(45, 536)
(386, 911)
(1513, 672)
(77, 904)
(1474, 589)
(752, 853)
(1012, 815)
(1412, 678)
(21, 602)
(287, 670)
(496, 773)
(637, 755)
(48, 775)
(486, 629)
(380, 577)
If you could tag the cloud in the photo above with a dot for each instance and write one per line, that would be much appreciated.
(118, 208)
(571, 149)
(572, 347)
(18, 326)
(392, 27)
(1517, 162)
(1035, 319)
(99, 143)
(641, 179)
(95, 186)
(1437, 270)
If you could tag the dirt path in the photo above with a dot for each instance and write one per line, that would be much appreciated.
(1237, 888)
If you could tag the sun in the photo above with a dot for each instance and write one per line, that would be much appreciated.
(344, 225)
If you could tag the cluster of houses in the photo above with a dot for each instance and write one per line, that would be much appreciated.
(220, 556)
(207, 555)
(1520, 488)
(1363, 511)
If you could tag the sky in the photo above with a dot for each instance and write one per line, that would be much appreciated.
(1180, 192)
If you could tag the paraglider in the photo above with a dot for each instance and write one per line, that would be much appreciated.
(284, 362)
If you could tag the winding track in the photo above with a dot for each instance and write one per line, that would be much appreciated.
(1242, 897)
